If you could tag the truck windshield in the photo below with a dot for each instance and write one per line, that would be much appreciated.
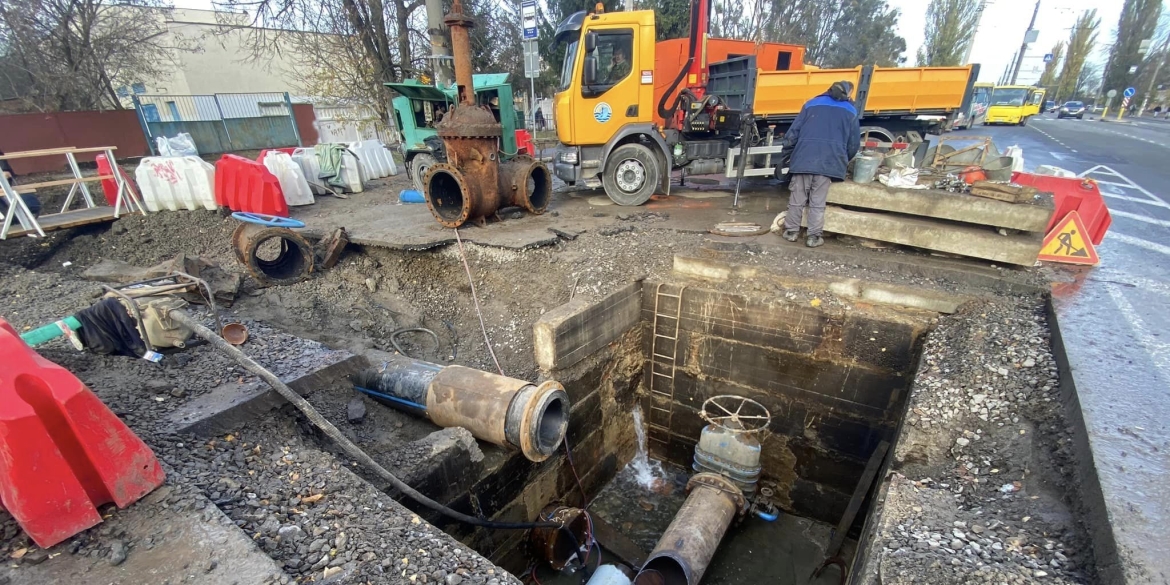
(567, 66)
(1009, 96)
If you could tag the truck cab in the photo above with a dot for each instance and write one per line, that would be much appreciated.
(1014, 104)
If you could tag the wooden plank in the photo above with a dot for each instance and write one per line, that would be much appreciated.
(69, 219)
(871, 469)
(54, 151)
(68, 181)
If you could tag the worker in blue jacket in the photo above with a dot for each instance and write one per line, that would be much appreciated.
(823, 139)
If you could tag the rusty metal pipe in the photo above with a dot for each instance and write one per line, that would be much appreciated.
(461, 26)
(686, 548)
(525, 182)
(497, 409)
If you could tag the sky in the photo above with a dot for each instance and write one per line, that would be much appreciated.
(1000, 32)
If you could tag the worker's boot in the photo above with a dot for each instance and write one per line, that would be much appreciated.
(791, 235)
(814, 241)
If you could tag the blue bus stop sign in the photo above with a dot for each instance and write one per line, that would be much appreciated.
(1129, 91)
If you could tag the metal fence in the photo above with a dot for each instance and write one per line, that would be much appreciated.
(222, 122)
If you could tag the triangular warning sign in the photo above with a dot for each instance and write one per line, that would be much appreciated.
(1068, 243)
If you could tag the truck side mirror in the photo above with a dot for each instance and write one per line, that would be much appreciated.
(590, 42)
(590, 72)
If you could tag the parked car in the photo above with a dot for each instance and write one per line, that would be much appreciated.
(1072, 110)
(1049, 106)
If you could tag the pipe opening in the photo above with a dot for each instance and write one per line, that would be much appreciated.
(551, 425)
(539, 188)
(446, 196)
(281, 258)
(662, 571)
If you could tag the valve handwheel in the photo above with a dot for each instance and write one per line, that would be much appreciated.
(735, 413)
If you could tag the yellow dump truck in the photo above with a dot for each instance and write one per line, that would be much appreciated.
(629, 111)
(1014, 104)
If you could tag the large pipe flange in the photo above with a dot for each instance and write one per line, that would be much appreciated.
(537, 420)
(525, 182)
(447, 195)
(273, 255)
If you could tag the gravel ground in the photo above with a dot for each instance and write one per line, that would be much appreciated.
(985, 446)
(985, 491)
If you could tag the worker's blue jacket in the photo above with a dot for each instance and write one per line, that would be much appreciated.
(824, 138)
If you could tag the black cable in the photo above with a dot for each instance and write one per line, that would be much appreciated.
(394, 337)
(331, 431)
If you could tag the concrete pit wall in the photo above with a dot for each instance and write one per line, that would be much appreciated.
(835, 381)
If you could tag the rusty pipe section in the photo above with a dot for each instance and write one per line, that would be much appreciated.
(497, 409)
(686, 548)
(525, 182)
(473, 185)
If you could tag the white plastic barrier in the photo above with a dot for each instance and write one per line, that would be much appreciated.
(351, 173)
(175, 183)
(292, 181)
(376, 160)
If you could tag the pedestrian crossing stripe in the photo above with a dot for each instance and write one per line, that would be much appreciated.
(1066, 243)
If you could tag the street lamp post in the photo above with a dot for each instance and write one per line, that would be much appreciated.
(1029, 37)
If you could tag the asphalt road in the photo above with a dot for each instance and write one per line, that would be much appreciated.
(1115, 322)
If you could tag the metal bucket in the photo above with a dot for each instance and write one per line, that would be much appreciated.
(865, 167)
(896, 160)
(999, 169)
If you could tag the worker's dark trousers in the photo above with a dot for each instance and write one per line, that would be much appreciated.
(807, 191)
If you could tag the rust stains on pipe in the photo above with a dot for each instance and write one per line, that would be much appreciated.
(497, 409)
(686, 548)
(460, 26)
(525, 182)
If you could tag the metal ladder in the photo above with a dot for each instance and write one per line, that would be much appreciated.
(663, 367)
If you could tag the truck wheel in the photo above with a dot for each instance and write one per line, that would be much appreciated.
(631, 174)
(418, 169)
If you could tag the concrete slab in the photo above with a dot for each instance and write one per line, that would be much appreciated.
(1028, 217)
(572, 331)
(849, 288)
(952, 238)
(232, 404)
(164, 543)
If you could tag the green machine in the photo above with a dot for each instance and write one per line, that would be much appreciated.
(416, 109)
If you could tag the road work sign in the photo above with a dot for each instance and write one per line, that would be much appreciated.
(1069, 243)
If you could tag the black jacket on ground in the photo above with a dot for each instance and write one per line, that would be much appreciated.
(824, 138)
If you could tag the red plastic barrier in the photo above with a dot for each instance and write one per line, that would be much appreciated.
(109, 187)
(1072, 194)
(62, 452)
(246, 185)
(263, 153)
(524, 143)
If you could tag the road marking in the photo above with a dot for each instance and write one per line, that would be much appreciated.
(1131, 199)
(1150, 220)
(1158, 350)
(1128, 184)
(1140, 243)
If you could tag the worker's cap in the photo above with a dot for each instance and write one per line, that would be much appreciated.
(841, 90)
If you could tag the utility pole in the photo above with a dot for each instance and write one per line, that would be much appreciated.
(1007, 71)
(978, 19)
(441, 61)
(1029, 36)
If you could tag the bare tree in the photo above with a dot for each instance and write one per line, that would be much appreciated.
(1081, 43)
(1087, 82)
(76, 54)
(950, 29)
(1048, 78)
(1138, 20)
